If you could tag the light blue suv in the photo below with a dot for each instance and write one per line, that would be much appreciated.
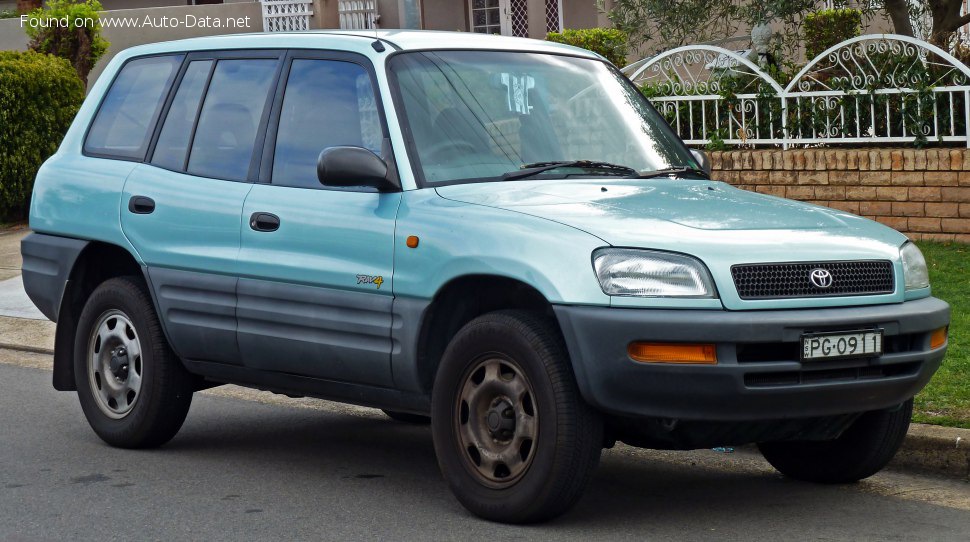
(497, 235)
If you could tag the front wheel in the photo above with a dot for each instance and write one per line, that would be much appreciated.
(514, 438)
(861, 451)
(133, 390)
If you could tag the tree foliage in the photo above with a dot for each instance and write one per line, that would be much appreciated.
(39, 96)
(608, 42)
(828, 27)
(69, 29)
(669, 24)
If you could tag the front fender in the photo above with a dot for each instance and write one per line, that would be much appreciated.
(458, 239)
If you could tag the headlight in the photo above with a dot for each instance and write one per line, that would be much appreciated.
(649, 273)
(914, 267)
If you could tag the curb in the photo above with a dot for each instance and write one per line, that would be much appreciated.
(928, 449)
(935, 449)
(25, 348)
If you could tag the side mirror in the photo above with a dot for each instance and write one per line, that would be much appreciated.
(703, 160)
(353, 166)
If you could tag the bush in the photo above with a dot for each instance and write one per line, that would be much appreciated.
(39, 96)
(608, 42)
(81, 44)
(828, 27)
(8, 14)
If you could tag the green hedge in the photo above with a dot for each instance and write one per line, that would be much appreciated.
(828, 27)
(39, 96)
(609, 42)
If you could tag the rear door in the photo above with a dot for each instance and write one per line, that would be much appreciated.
(315, 264)
(181, 209)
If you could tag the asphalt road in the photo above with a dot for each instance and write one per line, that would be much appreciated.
(254, 466)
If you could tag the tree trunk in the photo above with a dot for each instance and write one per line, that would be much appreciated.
(946, 20)
(899, 15)
(26, 6)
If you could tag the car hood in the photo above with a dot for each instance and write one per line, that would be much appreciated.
(712, 220)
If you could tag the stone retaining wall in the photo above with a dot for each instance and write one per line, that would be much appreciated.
(922, 193)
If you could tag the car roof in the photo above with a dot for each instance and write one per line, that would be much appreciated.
(360, 40)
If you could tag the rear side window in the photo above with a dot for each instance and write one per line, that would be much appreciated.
(327, 103)
(124, 124)
(226, 133)
(173, 142)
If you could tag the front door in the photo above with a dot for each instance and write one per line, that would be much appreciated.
(315, 264)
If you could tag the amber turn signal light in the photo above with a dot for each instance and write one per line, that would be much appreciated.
(938, 338)
(690, 354)
(412, 241)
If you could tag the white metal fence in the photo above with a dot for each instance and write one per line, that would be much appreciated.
(881, 88)
(286, 15)
(358, 14)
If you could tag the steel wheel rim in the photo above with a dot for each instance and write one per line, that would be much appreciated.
(115, 368)
(496, 422)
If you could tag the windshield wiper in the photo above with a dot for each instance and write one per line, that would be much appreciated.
(673, 171)
(536, 168)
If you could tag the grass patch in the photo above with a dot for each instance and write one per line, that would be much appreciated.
(946, 400)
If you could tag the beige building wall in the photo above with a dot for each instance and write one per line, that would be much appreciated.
(441, 15)
(453, 15)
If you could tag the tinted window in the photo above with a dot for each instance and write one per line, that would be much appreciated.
(327, 103)
(125, 122)
(173, 143)
(224, 139)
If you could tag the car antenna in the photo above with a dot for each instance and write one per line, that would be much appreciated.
(377, 45)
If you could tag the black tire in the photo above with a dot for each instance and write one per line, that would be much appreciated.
(861, 451)
(407, 417)
(558, 463)
(152, 415)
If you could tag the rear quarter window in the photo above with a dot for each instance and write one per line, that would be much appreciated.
(126, 119)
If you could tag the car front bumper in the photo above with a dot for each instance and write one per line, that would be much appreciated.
(758, 375)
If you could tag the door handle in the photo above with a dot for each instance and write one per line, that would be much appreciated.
(264, 222)
(141, 205)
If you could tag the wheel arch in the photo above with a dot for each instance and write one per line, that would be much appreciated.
(461, 300)
(97, 262)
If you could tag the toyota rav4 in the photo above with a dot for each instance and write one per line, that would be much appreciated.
(500, 236)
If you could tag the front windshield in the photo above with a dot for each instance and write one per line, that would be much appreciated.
(478, 115)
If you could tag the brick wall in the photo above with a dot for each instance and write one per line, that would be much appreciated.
(922, 193)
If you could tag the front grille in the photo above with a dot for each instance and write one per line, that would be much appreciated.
(783, 280)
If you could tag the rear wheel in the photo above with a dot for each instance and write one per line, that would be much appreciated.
(514, 439)
(861, 451)
(133, 390)
(407, 417)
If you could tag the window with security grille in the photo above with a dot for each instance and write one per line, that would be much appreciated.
(553, 15)
(486, 16)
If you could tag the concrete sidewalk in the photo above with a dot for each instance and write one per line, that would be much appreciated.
(928, 448)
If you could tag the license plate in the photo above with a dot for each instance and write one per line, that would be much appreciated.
(841, 345)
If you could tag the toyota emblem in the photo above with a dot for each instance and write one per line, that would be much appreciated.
(821, 278)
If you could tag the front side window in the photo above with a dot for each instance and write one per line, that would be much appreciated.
(327, 103)
(124, 124)
(229, 121)
(476, 115)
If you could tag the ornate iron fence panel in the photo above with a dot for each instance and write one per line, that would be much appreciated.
(870, 89)
(710, 93)
(286, 15)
